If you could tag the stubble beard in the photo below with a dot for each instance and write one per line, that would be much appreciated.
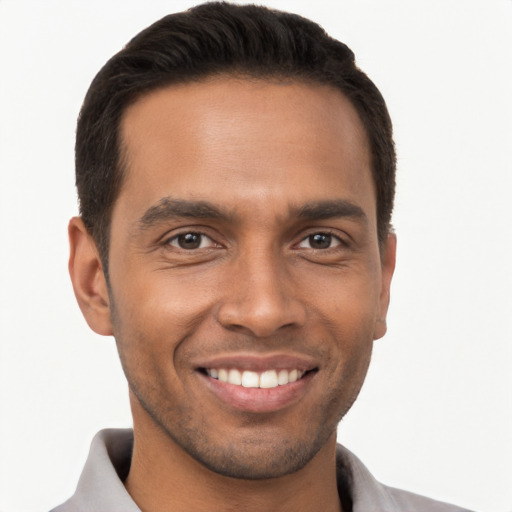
(253, 457)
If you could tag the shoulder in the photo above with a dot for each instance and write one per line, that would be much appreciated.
(100, 487)
(408, 501)
(369, 495)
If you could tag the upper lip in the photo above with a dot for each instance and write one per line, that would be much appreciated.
(258, 362)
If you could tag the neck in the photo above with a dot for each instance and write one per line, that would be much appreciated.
(164, 478)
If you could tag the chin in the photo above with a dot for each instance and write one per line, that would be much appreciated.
(253, 459)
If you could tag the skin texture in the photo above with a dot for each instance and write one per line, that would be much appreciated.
(255, 169)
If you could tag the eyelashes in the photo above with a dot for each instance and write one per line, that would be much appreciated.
(191, 241)
(320, 241)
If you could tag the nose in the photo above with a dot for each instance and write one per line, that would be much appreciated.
(262, 298)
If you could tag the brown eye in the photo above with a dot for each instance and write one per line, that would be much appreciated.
(320, 241)
(190, 241)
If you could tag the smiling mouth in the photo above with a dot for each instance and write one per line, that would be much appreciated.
(250, 379)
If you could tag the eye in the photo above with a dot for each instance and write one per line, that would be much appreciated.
(320, 241)
(190, 241)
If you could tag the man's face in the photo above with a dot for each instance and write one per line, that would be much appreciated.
(244, 253)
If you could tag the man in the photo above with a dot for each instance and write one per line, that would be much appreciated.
(235, 172)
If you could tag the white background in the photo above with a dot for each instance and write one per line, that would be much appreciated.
(435, 415)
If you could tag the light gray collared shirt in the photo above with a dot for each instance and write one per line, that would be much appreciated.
(101, 489)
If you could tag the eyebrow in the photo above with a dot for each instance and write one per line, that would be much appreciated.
(330, 209)
(168, 208)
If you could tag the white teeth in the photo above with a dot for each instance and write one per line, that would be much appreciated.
(248, 379)
(268, 379)
(282, 377)
(235, 377)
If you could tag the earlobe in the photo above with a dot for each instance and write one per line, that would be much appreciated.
(388, 260)
(89, 283)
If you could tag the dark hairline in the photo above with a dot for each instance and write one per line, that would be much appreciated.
(236, 74)
(182, 48)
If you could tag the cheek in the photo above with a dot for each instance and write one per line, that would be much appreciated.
(348, 299)
(153, 317)
(164, 302)
(345, 311)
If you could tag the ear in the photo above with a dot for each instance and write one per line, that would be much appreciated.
(388, 260)
(89, 283)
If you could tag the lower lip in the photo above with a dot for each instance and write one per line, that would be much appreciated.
(259, 400)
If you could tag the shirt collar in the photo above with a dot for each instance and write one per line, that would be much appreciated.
(100, 486)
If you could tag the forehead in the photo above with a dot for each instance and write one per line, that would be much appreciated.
(239, 140)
